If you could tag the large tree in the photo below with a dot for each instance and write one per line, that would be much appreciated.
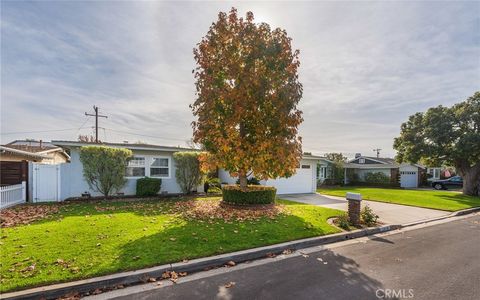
(445, 136)
(247, 96)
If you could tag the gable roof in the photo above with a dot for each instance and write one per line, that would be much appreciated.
(5, 149)
(382, 160)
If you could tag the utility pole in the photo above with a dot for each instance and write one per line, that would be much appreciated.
(96, 115)
(377, 151)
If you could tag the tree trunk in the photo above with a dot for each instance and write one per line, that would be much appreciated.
(471, 180)
(242, 176)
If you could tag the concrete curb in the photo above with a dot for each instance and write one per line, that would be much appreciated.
(196, 265)
(453, 214)
(139, 276)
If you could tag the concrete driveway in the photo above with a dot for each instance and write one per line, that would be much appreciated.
(388, 213)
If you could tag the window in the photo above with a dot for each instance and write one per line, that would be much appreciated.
(305, 166)
(160, 167)
(361, 160)
(136, 167)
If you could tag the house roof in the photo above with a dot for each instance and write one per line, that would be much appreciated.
(382, 160)
(5, 149)
(131, 146)
(315, 157)
(38, 147)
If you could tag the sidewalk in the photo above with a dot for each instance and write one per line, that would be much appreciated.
(388, 213)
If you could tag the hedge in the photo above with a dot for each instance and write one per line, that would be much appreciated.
(148, 186)
(255, 194)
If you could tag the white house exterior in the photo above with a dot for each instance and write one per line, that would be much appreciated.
(303, 181)
(148, 160)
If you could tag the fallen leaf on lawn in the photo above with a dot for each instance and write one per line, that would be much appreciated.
(136, 257)
(98, 245)
(173, 239)
(229, 285)
(185, 260)
(231, 263)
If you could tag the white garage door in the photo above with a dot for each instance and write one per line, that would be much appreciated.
(408, 179)
(301, 182)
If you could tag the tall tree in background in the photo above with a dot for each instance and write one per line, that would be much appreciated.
(445, 136)
(247, 96)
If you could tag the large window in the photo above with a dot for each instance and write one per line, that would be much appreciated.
(136, 167)
(160, 167)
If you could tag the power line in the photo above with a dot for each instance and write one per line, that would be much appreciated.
(145, 135)
(37, 131)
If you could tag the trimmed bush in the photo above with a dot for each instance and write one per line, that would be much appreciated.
(148, 186)
(255, 194)
(104, 168)
(377, 177)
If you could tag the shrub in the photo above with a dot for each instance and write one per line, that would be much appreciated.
(368, 217)
(104, 168)
(188, 173)
(255, 194)
(148, 186)
(343, 221)
(377, 177)
(250, 181)
(212, 184)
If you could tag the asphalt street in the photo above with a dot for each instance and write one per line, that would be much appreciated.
(435, 262)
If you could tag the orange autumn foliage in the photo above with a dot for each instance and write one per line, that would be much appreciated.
(247, 97)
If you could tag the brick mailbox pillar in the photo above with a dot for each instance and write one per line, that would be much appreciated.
(354, 203)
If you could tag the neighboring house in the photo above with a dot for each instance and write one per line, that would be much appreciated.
(410, 174)
(15, 157)
(36, 151)
(303, 181)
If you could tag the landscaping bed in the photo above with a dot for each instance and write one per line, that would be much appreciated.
(442, 200)
(76, 240)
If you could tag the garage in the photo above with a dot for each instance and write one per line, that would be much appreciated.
(302, 182)
(408, 177)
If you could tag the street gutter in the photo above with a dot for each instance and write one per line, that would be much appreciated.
(206, 263)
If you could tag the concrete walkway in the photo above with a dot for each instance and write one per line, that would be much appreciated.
(388, 213)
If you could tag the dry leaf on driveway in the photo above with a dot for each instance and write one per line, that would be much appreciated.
(229, 284)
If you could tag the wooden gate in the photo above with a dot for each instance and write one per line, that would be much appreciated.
(13, 172)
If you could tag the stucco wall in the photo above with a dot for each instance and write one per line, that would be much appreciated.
(73, 184)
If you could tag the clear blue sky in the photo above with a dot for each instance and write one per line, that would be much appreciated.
(365, 67)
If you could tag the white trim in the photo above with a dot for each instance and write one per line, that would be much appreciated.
(145, 167)
(169, 167)
(364, 157)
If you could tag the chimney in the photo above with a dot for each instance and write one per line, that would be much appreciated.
(41, 144)
(357, 155)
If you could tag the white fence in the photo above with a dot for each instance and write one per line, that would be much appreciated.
(13, 194)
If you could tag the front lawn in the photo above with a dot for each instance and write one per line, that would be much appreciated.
(443, 200)
(83, 240)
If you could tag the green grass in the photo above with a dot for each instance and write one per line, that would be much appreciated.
(92, 239)
(443, 200)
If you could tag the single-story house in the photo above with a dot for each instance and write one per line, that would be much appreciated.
(148, 160)
(157, 161)
(410, 174)
(303, 181)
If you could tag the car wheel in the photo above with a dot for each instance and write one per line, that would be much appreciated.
(438, 186)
